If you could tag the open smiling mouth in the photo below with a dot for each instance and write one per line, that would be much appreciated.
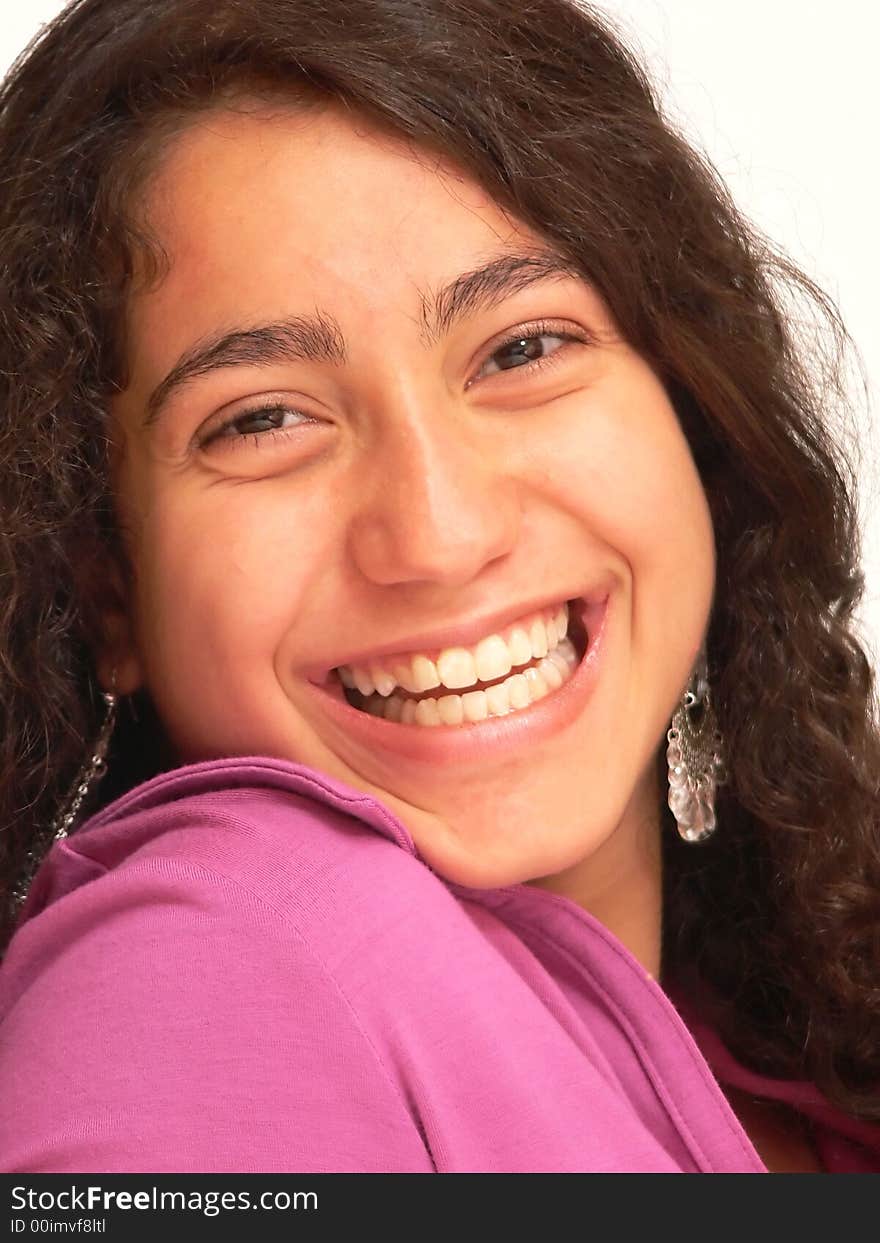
(502, 674)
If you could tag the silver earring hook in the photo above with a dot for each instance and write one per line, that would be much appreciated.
(695, 759)
(91, 772)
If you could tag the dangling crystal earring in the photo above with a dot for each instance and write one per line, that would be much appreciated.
(695, 758)
(91, 772)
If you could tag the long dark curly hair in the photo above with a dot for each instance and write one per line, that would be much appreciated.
(777, 918)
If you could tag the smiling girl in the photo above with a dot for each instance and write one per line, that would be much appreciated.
(401, 429)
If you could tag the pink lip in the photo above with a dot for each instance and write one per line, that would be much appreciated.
(430, 644)
(486, 740)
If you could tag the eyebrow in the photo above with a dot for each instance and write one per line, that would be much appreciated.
(319, 338)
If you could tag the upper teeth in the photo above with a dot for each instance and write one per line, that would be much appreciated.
(457, 667)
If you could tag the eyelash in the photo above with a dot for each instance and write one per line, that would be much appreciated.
(527, 333)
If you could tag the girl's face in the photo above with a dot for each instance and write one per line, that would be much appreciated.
(330, 454)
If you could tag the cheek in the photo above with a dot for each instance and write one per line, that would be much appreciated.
(222, 577)
(217, 594)
(617, 456)
(667, 512)
(671, 554)
(620, 466)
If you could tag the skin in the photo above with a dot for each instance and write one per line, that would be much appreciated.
(455, 488)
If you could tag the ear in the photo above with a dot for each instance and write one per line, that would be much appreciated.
(111, 620)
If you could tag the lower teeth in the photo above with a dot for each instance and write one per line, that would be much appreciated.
(517, 691)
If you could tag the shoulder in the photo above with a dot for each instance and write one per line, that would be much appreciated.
(303, 860)
(192, 983)
(310, 851)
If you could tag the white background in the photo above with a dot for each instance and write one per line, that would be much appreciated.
(782, 96)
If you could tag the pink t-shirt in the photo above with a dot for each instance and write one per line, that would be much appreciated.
(245, 965)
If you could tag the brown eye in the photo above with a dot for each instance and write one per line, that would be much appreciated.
(528, 349)
(265, 419)
(250, 426)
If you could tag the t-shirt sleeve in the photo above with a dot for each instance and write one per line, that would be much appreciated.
(162, 1018)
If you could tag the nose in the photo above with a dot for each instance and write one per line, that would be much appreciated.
(435, 501)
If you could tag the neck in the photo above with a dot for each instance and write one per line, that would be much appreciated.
(621, 883)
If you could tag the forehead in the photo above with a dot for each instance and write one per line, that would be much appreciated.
(246, 202)
(267, 214)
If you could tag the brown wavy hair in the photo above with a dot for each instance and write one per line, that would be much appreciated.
(777, 917)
